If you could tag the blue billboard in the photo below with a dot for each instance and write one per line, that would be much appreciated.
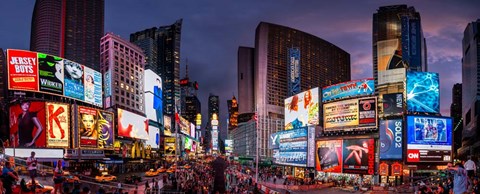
(293, 147)
(293, 71)
(362, 87)
(423, 92)
(429, 139)
(391, 139)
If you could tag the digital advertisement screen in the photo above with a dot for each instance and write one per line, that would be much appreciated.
(153, 136)
(87, 122)
(311, 147)
(92, 86)
(22, 70)
(169, 145)
(302, 109)
(167, 121)
(273, 141)
(429, 139)
(57, 125)
(392, 104)
(350, 114)
(359, 156)
(362, 87)
(132, 125)
(391, 139)
(153, 96)
(215, 139)
(293, 147)
(74, 80)
(192, 130)
(188, 143)
(423, 92)
(105, 126)
(184, 126)
(293, 71)
(228, 145)
(26, 120)
(329, 156)
(50, 71)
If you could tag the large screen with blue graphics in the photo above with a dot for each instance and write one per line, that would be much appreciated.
(293, 147)
(423, 92)
(362, 87)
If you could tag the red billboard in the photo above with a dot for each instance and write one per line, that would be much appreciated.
(57, 124)
(27, 125)
(87, 127)
(329, 156)
(359, 156)
(22, 70)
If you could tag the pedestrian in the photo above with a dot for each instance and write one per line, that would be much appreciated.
(32, 167)
(9, 177)
(460, 180)
(470, 167)
(58, 177)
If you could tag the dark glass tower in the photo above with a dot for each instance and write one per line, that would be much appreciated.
(70, 29)
(456, 114)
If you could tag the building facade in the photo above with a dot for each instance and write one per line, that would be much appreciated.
(232, 113)
(122, 64)
(69, 29)
(245, 80)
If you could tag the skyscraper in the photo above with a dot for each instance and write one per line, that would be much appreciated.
(122, 64)
(232, 114)
(69, 29)
(162, 51)
(470, 86)
(245, 80)
(213, 106)
(456, 114)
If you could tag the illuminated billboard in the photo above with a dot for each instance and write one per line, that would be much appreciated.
(22, 70)
(392, 104)
(391, 139)
(27, 125)
(184, 125)
(167, 121)
(423, 92)
(105, 126)
(228, 145)
(153, 137)
(350, 114)
(362, 87)
(329, 156)
(192, 130)
(293, 71)
(87, 126)
(132, 125)
(169, 145)
(293, 147)
(57, 125)
(214, 139)
(391, 76)
(389, 55)
(429, 139)
(188, 143)
(50, 72)
(302, 109)
(273, 141)
(359, 156)
(92, 86)
(74, 80)
(153, 96)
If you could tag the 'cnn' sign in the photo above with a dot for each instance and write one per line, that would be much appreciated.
(413, 156)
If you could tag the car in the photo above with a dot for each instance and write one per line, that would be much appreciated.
(105, 178)
(151, 173)
(171, 169)
(132, 179)
(187, 166)
(161, 170)
(71, 178)
(40, 188)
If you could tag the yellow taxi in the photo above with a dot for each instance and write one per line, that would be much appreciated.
(187, 166)
(162, 170)
(172, 169)
(69, 178)
(105, 178)
(151, 172)
(40, 188)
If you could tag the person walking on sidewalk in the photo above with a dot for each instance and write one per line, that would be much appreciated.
(460, 180)
(470, 167)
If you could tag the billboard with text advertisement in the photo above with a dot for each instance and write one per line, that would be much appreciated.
(391, 139)
(367, 112)
(184, 126)
(105, 126)
(293, 147)
(26, 120)
(22, 70)
(293, 71)
(131, 125)
(58, 124)
(329, 156)
(350, 114)
(362, 87)
(423, 92)
(302, 109)
(392, 104)
(359, 156)
(50, 72)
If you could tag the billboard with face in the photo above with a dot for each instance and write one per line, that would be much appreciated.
(362, 87)
(22, 70)
(293, 147)
(93, 86)
(50, 71)
(27, 124)
(169, 145)
(329, 156)
(359, 156)
(74, 80)
(429, 139)
(302, 109)
(105, 126)
(391, 139)
(423, 92)
(350, 114)
(153, 96)
(132, 125)
(57, 125)
(87, 127)
(392, 104)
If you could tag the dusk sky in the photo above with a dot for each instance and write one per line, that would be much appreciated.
(213, 30)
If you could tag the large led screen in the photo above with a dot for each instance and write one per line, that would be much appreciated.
(293, 71)
(302, 109)
(359, 156)
(93, 86)
(105, 126)
(188, 143)
(293, 147)
(132, 125)
(153, 136)
(22, 70)
(429, 139)
(391, 139)
(392, 104)
(215, 139)
(184, 126)
(423, 92)
(57, 125)
(50, 71)
(87, 121)
(169, 146)
(350, 114)
(167, 125)
(228, 145)
(27, 125)
(153, 96)
(329, 156)
(362, 87)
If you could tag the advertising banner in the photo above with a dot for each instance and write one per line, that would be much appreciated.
(383, 169)
(73, 80)
(293, 71)
(367, 112)
(192, 130)
(58, 124)
(273, 141)
(188, 143)
(311, 147)
(169, 145)
(22, 70)
(27, 125)
(389, 55)
(167, 121)
(92, 86)
(87, 127)
(107, 81)
(50, 72)
(429, 139)
(423, 92)
(105, 127)
(359, 156)
(391, 76)
(391, 139)
(153, 136)
(362, 87)
(214, 139)
(393, 104)
(184, 126)
(132, 125)
(341, 115)
(397, 169)
(329, 156)
(153, 96)
(302, 109)
(228, 145)
(293, 147)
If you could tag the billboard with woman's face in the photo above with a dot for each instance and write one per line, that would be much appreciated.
(87, 126)
(50, 73)
(27, 125)
(302, 109)
(74, 80)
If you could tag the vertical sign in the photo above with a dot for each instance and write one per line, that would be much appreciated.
(105, 129)
(293, 70)
(87, 127)
(215, 139)
(57, 124)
